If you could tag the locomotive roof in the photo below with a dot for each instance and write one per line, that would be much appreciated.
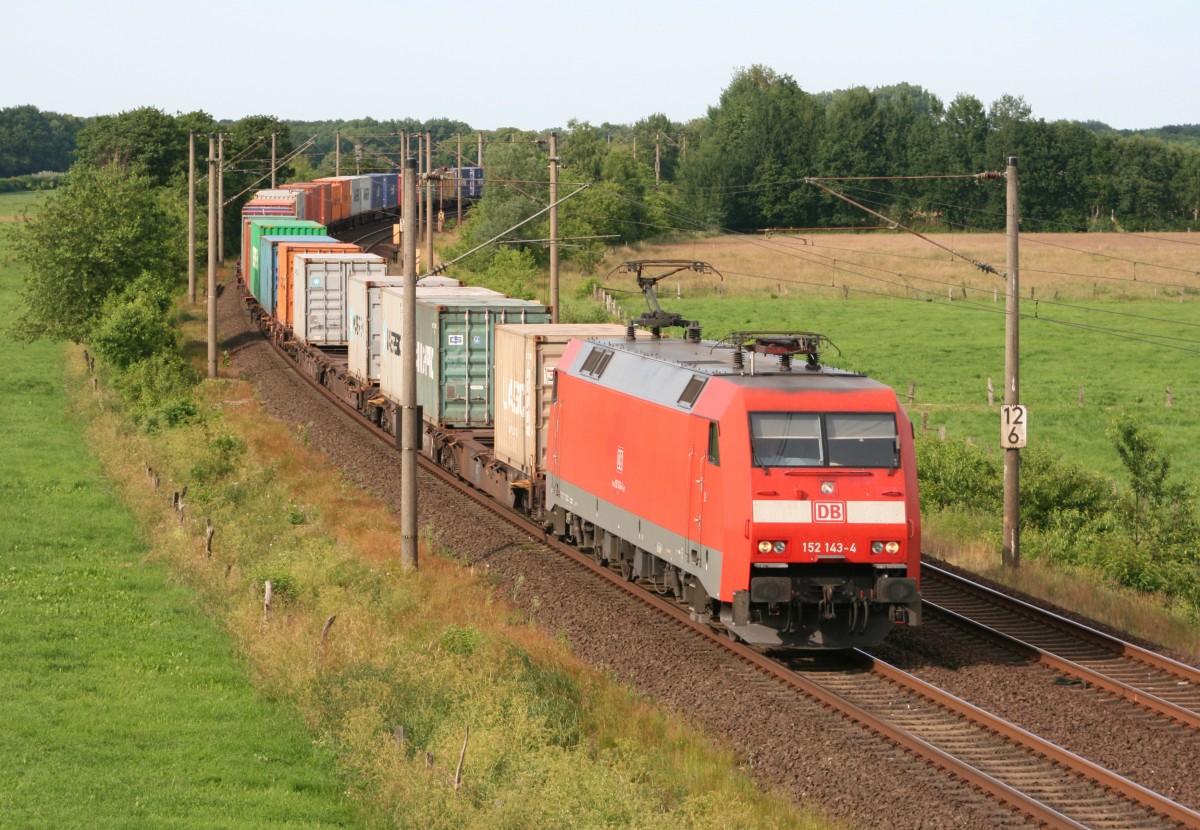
(663, 370)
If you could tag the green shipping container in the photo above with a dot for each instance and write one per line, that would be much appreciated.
(260, 226)
(456, 353)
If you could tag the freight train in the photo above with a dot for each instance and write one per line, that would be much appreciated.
(774, 495)
(342, 202)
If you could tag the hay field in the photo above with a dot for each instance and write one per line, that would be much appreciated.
(1100, 266)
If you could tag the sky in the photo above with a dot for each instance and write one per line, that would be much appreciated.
(539, 65)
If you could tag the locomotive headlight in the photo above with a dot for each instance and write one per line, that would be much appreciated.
(892, 547)
(885, 547)
(780, 547)
(877, 547)
(764, 547)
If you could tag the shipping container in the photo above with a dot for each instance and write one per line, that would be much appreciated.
(360, 195)
(365, 318)
(455, 350)
(364, 324)
(339, 196)
(321, 280)
(268, 269)
(254, 228)
(270, 207)
(525, 360)
(383, 191)
(472, 183)
(317, 204)
(355, 195)
(285, 263)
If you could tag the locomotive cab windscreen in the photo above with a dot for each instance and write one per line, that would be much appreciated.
(809, 439)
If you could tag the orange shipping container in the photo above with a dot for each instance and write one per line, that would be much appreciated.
(286, 294)
(317, 202)
(339, 195)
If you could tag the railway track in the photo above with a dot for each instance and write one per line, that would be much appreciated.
(1159, 684)
(1034, 779)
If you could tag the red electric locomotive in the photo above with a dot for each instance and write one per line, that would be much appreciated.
(774, 494)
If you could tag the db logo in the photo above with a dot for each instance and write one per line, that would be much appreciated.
(829, 511)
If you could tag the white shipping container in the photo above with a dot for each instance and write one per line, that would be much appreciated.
(526, 356)
(364, 316)
(391, 307)
(319, 315)
(360, 195)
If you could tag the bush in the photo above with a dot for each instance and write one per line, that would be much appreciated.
(952, 474)
(134, 324)
(220, 459)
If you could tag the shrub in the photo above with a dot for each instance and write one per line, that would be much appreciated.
(952, 474)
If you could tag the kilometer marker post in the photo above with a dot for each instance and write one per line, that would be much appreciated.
(1010, 550)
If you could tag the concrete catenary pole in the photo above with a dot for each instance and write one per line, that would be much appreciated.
(221, 199)
(429, 217)
(408, 427)
(212, 255)
(1011, 544)
(191, 242)
(459, 184)
(337, 153)
(272, 161)
(419, 228)
(553, 227)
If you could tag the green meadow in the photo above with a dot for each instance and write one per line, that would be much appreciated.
(949, 350)
(123, 705)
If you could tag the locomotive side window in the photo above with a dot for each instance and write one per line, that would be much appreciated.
(589, 362)
(862, 439)
(786, 439)
(692, 391)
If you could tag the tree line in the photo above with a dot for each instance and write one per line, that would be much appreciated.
(742, 166)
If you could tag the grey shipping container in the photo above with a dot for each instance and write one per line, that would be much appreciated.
(364, 323)
(455, 355)
(319, 316)
(391, 304)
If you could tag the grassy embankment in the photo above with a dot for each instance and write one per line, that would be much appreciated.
(949, 348)
(124, 705)
(551, 742)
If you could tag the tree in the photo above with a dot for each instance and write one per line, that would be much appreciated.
(145, 139)
(32, 141)
(516, 170)
(1158, 513)
(764, 119)
(90, 240)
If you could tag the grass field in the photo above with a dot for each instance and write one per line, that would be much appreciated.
(902, 311)
(13, 205)
(123, 705)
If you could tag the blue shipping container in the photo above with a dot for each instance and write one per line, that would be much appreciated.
(268, 258)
